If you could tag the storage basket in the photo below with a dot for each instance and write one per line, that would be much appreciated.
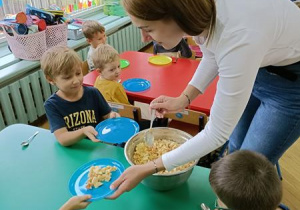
(32, 46)
(56, 35)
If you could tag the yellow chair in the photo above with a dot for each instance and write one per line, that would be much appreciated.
(85, 68)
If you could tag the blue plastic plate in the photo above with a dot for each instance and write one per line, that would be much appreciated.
(79, 178)
(136, 85)
(116, 130)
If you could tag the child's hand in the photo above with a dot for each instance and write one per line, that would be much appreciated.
(76, 202)
(113, 115)
(91, 133)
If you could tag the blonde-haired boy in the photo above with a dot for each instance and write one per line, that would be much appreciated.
(95, 35)
(107, 62)
(73, 111)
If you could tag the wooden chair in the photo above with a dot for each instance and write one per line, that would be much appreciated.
(126, 110)
(190, 117)
(85, 68)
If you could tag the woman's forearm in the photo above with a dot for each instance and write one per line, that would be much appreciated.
(154, 166)
(190, 92)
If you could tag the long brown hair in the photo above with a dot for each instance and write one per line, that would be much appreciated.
(192, 16)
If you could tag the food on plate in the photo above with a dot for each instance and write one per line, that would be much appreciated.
(98, 175)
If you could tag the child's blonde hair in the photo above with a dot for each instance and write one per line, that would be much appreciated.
(103, 55)
(59, 60)
(90, 27)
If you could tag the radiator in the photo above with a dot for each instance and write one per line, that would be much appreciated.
(23, 100)
(126, 39)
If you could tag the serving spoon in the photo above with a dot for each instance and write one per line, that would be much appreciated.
(204, 207)
(26, 143)
(149, 138)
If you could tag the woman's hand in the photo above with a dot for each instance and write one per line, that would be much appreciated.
(130, 178)
(166, 104)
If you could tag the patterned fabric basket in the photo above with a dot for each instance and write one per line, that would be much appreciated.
(32, 46)
(56, 35)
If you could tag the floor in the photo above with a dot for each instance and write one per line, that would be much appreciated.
(289, 162)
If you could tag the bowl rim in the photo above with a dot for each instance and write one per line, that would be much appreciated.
(157, 174)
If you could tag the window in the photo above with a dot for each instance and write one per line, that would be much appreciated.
(71, 7)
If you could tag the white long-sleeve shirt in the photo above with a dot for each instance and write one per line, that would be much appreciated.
(89, 58)
(248, 35)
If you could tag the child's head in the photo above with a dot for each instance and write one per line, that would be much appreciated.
(62, 67)
(94, 33)
(107, 61)
(246, 180)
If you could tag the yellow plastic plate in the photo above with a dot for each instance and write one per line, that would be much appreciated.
(160, 60)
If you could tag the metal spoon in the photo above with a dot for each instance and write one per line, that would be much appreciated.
(149, 138)
(204, 207)
(26, 143)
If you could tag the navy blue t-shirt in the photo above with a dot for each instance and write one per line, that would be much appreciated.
(88, 110)
(182, 46)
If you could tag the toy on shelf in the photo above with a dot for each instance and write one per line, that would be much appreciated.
(18, 18)
(30, 34)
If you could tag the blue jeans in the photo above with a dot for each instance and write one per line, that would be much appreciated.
(270, 123)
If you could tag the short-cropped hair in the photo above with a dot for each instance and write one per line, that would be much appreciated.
(103, 55)
(246, 180)
(90, 27)
(59, 60)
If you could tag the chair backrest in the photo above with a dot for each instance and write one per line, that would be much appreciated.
(189, 116)
(85, 68)
(126, 110)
